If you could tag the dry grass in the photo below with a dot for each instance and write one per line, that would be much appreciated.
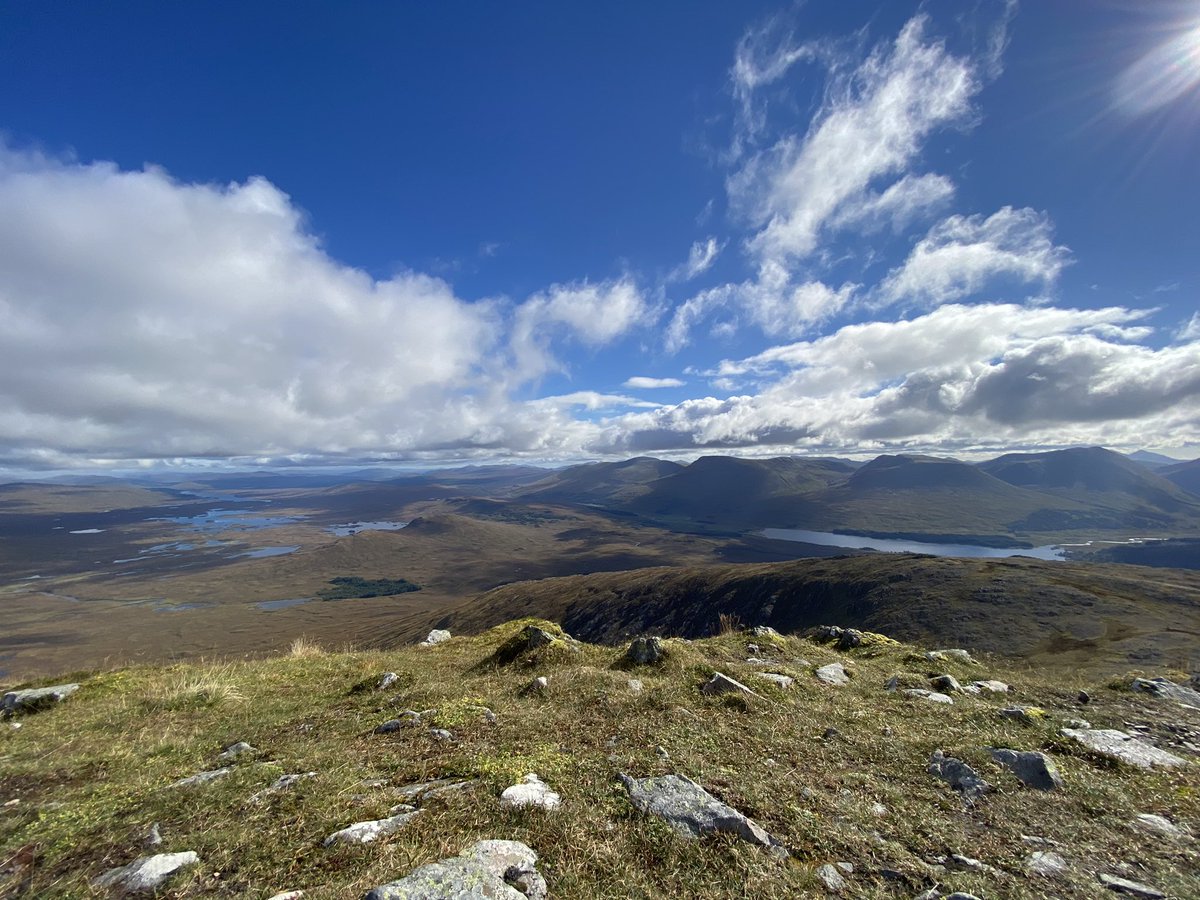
(305, 648)
(91, 776)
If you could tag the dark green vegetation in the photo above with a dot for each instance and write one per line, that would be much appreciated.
(348, 586)
(809, 763)
(1097, 618)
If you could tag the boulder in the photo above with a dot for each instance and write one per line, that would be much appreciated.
(435, 637)
(1035, 770)
(233, 751)
(201, 778)
(646, 651)
(1131, 888)
(831, 878)
(500, 870)
(366, 832)
(958, 775)
(386, 680)
(1158, 825)
(851, 638)
(691, 811)
(947, 684)
(931, 696)
(36, 699)
(761, 631)
(991, 685)
(146, 874)
(1122, 747)
(1168, 690)
(531, 791)
(1046, 864)
(287, 895)
(780, 681)
(834, 673)
(955, 654)
(723, 684)
(1028, 715)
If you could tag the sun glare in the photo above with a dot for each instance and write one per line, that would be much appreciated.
(1162, 75)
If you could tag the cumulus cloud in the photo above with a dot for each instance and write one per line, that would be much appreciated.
(644, 383)
(962, 254)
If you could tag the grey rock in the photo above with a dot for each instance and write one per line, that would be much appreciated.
(1046, 864)
(366, 832)
(35, 699)
(967, 864)
(958, 775)
(233, 751)
(956, 654)
(1132, 888)
(1035, 770)
(723, 684)
(947, 684)
(535, 637)
(991, 685)
(780, 681)
(538, 685)
(834, 673)
(428, 790)
(764, 631)
(386, 680)
(847, 868)
(153, 837)
(532, 791)
(201, 778)
(1029, 715)
(280, 784)
(435, 637)
(391, 725)
(646, 651)
(500, 870)
(1117, 745)
(831, 878)
(441, 734)
(931, 696)
(1158, 825)
(287, 895)
(635, 685)
(1168, 690)
(146, 874)
(691, 811)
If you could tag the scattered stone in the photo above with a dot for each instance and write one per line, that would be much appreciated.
(1035, 770)
(233, 751)
(752, 649)
(15, 726)
(947, 684)
(635, 686)
(662, 752)
(830, 733)
(834, 673)
(847, 868)
(956, 654)
(1169, 690)
(36, 699)
(931, 696)
(780, 681)
(755, 661)
(282, 783)
(995, 687)
(1078, 723)
(288, 895)
(966, 864)
(1047, 864)
(428, 790)
(501, 870)
(441, 734)
(1034, 841)
(1027, 715)
(147, 873)
(534, 637)
(435, 637)
(392, 725)
(1114, 744)
(366, 832)
(1158, 825)
(646, 651)
(153, 837)
(833, 880)
(878, 809)
(850, 638)
(201, 778)
(1132, 888)
(532, 791)
(386, 680)
(538, 685)
(692, 811)
(958, 775)
(723, 684)
(760, 631)
(1084, 698)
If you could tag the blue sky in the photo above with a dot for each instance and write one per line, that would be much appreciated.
(435, 232)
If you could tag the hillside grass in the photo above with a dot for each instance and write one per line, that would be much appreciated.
(90, 776)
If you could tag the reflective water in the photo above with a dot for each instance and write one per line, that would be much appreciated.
(896, 545)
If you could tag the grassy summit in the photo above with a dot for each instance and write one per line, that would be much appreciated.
(836, 774)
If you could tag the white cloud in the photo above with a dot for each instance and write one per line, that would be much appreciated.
(700, 259)
(962, 254)
(1190, 330)
(900, 205)
(873, 124)
(643, 383)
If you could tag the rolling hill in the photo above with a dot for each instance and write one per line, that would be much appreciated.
(1185, 475)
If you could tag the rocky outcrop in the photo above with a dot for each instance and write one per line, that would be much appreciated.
(35, 699)
(372, 830)
(146, 874)
(435, 637)
(692, 812)
(531, 791)
(500, 870)
(958, 775)
(723, 684)
(1117, 745)
(1035, 770)
(646, 651)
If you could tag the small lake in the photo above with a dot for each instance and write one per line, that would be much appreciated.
(225, 519)
(264, 552)
(270, 605)
(895, 545)
(355, 527)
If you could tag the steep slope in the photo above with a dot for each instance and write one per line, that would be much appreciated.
(1184, 475)
(1121, 493)
(604, 484)
(726, 490)
(1099, 617)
